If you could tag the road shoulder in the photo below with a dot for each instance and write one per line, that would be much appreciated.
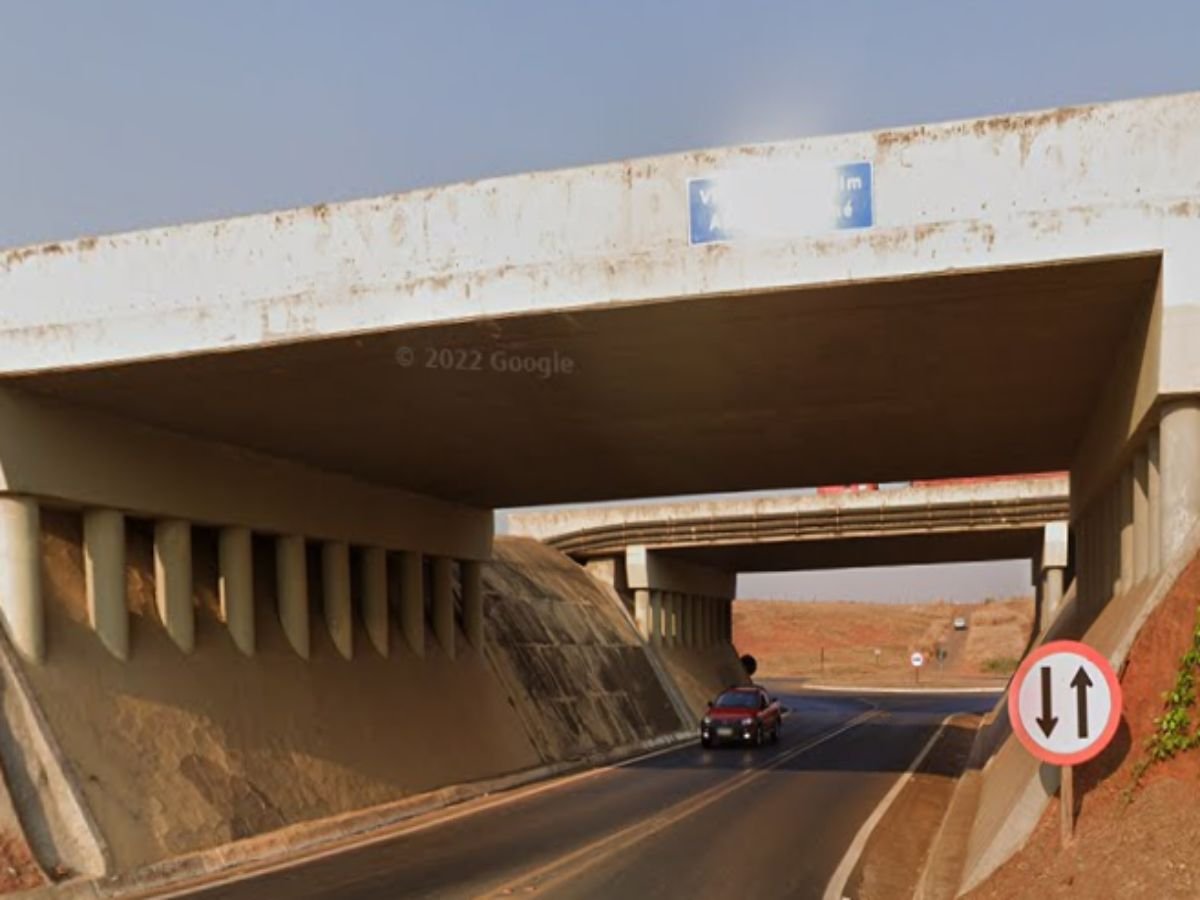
(895, 854)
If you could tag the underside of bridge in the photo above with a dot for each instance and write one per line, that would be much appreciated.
(849, 553)
(985, 372)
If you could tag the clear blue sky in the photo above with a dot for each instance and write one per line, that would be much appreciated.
(121, 115)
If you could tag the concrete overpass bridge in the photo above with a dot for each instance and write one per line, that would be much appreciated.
(1004, 295)
(676, 563)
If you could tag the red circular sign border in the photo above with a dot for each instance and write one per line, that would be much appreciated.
(1114, 688)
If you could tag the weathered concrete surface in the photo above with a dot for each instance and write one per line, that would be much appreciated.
(1002, 519)
(1046, 239)
(175, 753)
(76, 457)
(703, 672)
(1104, 179)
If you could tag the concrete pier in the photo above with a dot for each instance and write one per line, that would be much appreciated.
(443, 603)
(335, 592)
(173, 591)
(291, 571)
(235, 585)
(1124, 485)
(373, 576)
(472, 593)
(412, 601)
(1141, 516)
(1179, 457)
(104, 578)
(20, 576)
(643, 614)
(1154, 492)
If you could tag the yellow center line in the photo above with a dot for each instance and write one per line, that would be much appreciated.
(583, 858)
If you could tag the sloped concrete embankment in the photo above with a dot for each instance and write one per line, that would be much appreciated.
(171, 753)
(1001, 798)
(700, 673)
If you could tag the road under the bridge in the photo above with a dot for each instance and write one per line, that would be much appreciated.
(766, 822)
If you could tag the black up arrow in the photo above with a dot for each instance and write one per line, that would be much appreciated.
(1081, 682)
(1047, 722)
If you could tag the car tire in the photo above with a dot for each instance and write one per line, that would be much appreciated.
(775, 733)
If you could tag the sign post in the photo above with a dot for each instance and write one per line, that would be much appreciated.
(1065, 706)
(917, 660)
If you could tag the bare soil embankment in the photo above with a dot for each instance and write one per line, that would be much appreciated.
(851, 643)
(1130, 841)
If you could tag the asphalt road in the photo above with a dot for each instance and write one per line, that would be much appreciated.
(768, 822)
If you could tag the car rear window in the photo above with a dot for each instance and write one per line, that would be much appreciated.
(739, 699)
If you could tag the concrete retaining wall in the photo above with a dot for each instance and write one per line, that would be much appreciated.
(173, 753)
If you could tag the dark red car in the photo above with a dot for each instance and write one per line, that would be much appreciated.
(744, 715)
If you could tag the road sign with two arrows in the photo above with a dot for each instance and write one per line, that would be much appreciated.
(1065, 703)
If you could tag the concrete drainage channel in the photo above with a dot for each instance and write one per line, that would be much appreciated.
(311, 840)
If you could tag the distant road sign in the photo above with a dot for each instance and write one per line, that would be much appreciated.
(918, 660)
(1065, 703)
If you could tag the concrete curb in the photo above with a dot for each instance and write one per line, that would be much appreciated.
(835, 889)
(305, 839)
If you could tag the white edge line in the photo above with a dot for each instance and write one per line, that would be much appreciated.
(418, 823)
(837, 884)
(867, 689)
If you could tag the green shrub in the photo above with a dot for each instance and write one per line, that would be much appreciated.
(1173, 730)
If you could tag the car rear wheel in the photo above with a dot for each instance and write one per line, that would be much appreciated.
(775, 733)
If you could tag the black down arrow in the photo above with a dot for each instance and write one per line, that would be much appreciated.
(1048, 721)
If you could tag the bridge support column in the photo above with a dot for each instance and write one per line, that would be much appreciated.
(412, 600)
(104, 578)
(235, 585)
(676, 618)
(335, 584)
(1179, 458)
(1141, 516)
(694, 621)
(472, 592)
(1124, 484)
(642, 613)
(1154, 514)
(373, 576)
(657, 618)
(173, 581)
(20, 576)
(1112, 544)
(443, 603)
(291, 574)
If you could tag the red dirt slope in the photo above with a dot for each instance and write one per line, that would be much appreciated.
(1139, 843)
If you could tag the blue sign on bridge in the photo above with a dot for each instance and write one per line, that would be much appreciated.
(780, 204)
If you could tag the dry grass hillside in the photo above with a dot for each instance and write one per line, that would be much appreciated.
(842, 641)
